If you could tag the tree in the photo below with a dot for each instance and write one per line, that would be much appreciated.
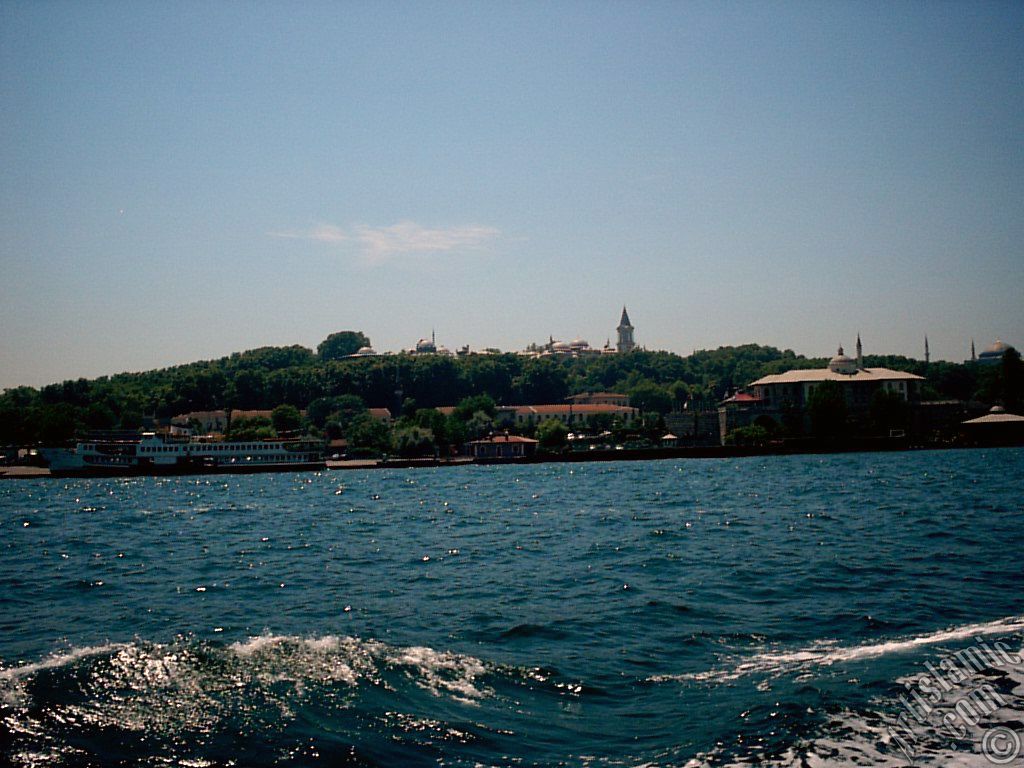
(57, 423)
(888, 411)
(341, 344)
(100, 416)
(541, 381)
(650, 398)
(368, 437)
(479, 425)
(470, 406)
(257, 428)
(768, 424)
(754, 435)
(286, 420)
(436, 423)
(341, 409)
(680, 392)
(249, 388)
(414, 442)
(1013, 380)
(552, 434)
(827, 408)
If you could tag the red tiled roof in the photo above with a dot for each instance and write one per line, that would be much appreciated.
(743, 397)
(541, 410)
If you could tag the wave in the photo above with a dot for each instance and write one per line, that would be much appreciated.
(825, 653)
(56, 660)
(885, 732)
(370, 701)
(156, 695)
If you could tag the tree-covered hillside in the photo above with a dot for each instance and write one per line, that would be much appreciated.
(271, 376)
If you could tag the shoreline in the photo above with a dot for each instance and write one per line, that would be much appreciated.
(640, 454)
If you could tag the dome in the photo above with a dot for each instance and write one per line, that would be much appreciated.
(425, 345)
(366, 351)
(842, 364)
(995, 350)
(561, 346)
(993, 353)
(578, 343)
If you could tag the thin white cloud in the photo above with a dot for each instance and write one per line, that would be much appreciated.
(378, 244)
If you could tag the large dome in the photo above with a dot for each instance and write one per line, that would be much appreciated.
(995, 350)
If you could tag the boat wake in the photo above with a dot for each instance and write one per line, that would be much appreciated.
(825, 653)
(968, 707)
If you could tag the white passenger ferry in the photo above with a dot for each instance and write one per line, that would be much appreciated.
(152, 454)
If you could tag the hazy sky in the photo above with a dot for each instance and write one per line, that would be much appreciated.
(182, 180)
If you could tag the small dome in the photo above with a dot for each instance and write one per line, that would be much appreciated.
(579, 343)
(997, 409)
(366, 351)
(842, 364)
(425, 345)
(561, 345)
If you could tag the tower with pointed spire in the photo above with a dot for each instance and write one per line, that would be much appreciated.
(927, 354)
(860, 354)
(625, 329)
(974, 357)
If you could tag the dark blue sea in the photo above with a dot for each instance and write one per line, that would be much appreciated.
(806, 611)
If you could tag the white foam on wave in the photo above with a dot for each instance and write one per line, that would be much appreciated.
(441, 671)
(187, 690)
(828, 652)
(851, 738)
(349, 659)
(12, 679)
(58, 660)
(883, 734)
(253, 645)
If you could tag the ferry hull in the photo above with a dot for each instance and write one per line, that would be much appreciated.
(188, 469)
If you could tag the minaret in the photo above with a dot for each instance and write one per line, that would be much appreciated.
(927, 354)
(625, 329)
(860, 354)
(974, 357)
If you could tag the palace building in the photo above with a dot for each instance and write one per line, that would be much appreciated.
(773, 396)
(859, 383)
(579, 347)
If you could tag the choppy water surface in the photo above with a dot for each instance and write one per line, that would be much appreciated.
(702, 612)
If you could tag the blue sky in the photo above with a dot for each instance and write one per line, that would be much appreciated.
(182, 180)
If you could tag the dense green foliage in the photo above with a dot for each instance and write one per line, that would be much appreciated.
(337, 392)
(552, 434)
(340, 345)
(826, 406)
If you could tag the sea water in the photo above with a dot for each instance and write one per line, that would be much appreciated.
(756, 611)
